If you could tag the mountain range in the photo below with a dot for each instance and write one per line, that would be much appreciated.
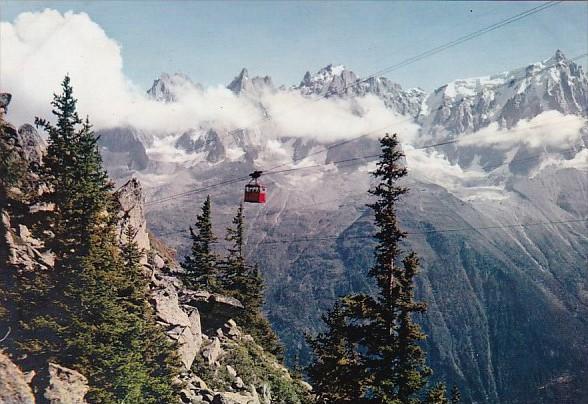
(496, 213)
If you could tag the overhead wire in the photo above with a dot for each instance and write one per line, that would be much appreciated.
(443, 230)
(330, 147)
(458, 41)
(445, 46)
(354, 159)
(511, 162)
(342, 143)
(424, 232)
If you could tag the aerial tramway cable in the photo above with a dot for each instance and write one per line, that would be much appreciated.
(354, 159)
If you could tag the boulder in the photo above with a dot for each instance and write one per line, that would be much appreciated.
(66, 386)
(188, 396)
(158, 262)
(185, 329)
(21, 252)
(231, 370)
(167, 307)
(239, 384)
(13, 385)
(232, 330)
(195, 327)
(212, 351)
(217, 309)
(31, 143)
(198, 382)
(187, 348)
(4, 101)
(234, 398)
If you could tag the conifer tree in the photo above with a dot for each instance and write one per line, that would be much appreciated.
(72, 169)
(455, 395)
(380, 330)
(90, 311)
(77, 192)
(338, 369)
(158, 353)
(437, 395)
(245, 283)
(201, 265)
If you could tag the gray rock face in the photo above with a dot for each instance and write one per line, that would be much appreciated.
(212, 351)
(336, 81)
(180, 326)
(168, 88)
(167, 307)
(123, 149)
(14, 387)
(490, 291)
(252, 86)
(24, 251)
(31, 143)
(208, 142)
(4, 101)
(66, 386)
(132, 214)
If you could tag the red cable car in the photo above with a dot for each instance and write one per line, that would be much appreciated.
(254, 191)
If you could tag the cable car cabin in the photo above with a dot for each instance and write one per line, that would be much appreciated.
(254, 191)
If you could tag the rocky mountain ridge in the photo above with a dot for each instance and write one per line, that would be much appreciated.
(453, 110)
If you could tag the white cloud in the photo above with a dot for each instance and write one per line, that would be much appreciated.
(550, 128)
(433, 167)
(38, 49)
(579, 162)
(334, 119)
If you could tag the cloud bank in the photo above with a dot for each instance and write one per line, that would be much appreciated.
(550, 128)
(39, 49)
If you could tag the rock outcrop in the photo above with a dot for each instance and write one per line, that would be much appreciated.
(199, 323)
(132, 214)
(66, 386)
(4, 101)
(14, 387)
(221, 364)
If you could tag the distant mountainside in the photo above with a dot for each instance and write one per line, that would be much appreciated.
(507, 303)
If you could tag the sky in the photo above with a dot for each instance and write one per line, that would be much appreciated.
(212, 41)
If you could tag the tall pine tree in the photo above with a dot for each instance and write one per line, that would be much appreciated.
(378, 332)
(90, 312)
(339, 369)
(201, 266)
(245, 283)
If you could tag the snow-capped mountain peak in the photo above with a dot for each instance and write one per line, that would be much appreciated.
(468, 105)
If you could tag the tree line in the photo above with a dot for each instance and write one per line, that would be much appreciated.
(230, 275)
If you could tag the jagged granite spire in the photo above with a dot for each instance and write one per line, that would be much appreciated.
(255, 85)
(167, 88)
